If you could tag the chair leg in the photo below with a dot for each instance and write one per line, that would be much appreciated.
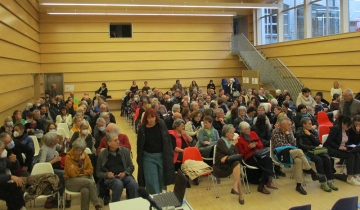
(246, 184)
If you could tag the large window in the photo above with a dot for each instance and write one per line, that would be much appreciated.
(269, 26)
(354, 15)
(325, 17)
(293, 14)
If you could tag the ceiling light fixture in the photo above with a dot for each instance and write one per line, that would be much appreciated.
(142, 13)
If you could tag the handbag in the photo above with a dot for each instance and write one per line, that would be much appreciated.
(319, 151)
(232, 158)
(261, 153)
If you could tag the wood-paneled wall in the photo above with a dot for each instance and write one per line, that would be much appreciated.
(161, 50)
(19, 54)
(318, 62)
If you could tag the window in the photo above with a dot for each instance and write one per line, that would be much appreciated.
(354, 15)
(293, 15)
(269, 26)
(325, 17)
(120, 30)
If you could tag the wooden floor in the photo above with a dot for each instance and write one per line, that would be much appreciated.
(283, 198)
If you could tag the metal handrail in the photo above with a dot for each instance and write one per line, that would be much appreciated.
(271, 70)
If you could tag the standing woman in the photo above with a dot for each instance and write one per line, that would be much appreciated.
(134, 87)
(193, 86)
(225, 147)
(103, 90)
(336, 89)
(211, 85)
(154, 154)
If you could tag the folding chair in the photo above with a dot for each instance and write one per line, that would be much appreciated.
(71, 193)
(323, 119)
(42, 168)
(244, 166)
(36, 145)
(323, 129)
(193, 153)
(212, 177)
(350, 203)
(66, 129)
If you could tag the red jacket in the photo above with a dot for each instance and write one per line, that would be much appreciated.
(243, 145)
(123, 141)
(178, 143)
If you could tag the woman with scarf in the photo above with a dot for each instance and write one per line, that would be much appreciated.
(302, 111)
(249, 144)
(103, 90)
(207, 138)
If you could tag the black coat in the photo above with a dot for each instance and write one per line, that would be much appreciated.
(168, 154)
(18, 150)
(297, 121)
(306, 142)
(335, 138)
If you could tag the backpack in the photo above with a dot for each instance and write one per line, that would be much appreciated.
(284, 156)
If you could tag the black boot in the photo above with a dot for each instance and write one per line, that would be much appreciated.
(300, 189)
(278, 171)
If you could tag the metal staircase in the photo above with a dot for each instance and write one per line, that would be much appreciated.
(272, 71)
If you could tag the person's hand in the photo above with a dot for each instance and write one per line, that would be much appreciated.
(24, 168)
(19, 181)
(320, 146)
(314, 127)
(307, 132)
(235, 141)
(287, 132)
(222, 121)
(206, 143)
(57, 158)
(223, 159)
(183, 132)
(67, 140)
(342, 148)
(82, 156)
(121, 175)
(12, 158)
(110, 175)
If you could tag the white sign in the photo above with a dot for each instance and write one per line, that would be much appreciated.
(245, 80)
(255, 81)
(69, 87)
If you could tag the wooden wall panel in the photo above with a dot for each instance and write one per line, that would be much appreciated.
(19, 55)
(318, 62)
(29, 9)
(161, 50)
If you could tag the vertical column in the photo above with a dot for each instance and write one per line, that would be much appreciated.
(307, 19)
(280, 22)
(258, 27)
(344, 16)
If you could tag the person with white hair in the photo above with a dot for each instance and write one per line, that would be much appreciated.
(123, 138)
(8, 126)
(348, 105)
(28, 108)
(279, 97)
(84, 134)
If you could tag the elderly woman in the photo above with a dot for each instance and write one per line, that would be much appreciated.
(307, 139)
(249, 143)
(49, 152)
(28, 108)
(306, 99)
(180, 140)
(99, 131)
(219, 120)
(64, 117)
(336, 144)
(17, 117)
(84, 135)
(8, 126)
(77, 120)
(154, 154)
(20, 135)
(10, 192)
(225, 147)
(193, 126)
(242, 117)
(207, 138)
(303, 112)
(78, 175)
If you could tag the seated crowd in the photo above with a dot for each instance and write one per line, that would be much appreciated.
(237, 126)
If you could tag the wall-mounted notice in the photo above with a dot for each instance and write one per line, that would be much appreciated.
(255, 81)
(69, 87)
(246, 80)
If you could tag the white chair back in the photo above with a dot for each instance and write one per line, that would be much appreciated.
(36, 145)
(88, 150)
(214, 154)
(66, 129)
(272, 155)
(42, 168)
(324, 137)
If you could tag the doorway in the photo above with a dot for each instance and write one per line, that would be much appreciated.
(54, 79)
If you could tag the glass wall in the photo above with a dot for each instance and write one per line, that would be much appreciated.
(354, 15)
(293, 14)
(325, 17)
(269, 26)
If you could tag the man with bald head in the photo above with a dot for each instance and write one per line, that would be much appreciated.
(103, 108)
(112, 128)
(169, 120)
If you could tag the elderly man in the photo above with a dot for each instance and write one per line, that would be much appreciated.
(283, 136)
(40, 120)
(194, 106)
(115, 167)
(16, 150)
(69, 105)
(167, 102)
(52, 93)
(348, 105)
(177, 97)
(169, 120)
(177, 85)
(123, 139)
(201, 105)
(103, 108)
(219, 121)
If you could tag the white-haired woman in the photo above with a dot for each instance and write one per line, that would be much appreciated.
(8, 126)
(84, 135)
(78, 175)
(77, 120)
(27, 109)
(223, 167)
(49, 152)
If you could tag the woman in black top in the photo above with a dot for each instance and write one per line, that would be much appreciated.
(103, 90)
(154, 154)
(336, 144)
(302, 112)
(211, 85)
(261, 128)
(354, 131)
(134, 87)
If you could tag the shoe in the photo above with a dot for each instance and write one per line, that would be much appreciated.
(196, 181)
(234, 192)
(357, 178)
(106, 198)
(301, 190)
(271, 186)
(263, 190)
(341, 161)
(353, 181)
(98, 207)
(67, 203)
(242, 202)
(188, 184)
(330, 183)
(278, 171)
(319, 177)
(325, 187)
